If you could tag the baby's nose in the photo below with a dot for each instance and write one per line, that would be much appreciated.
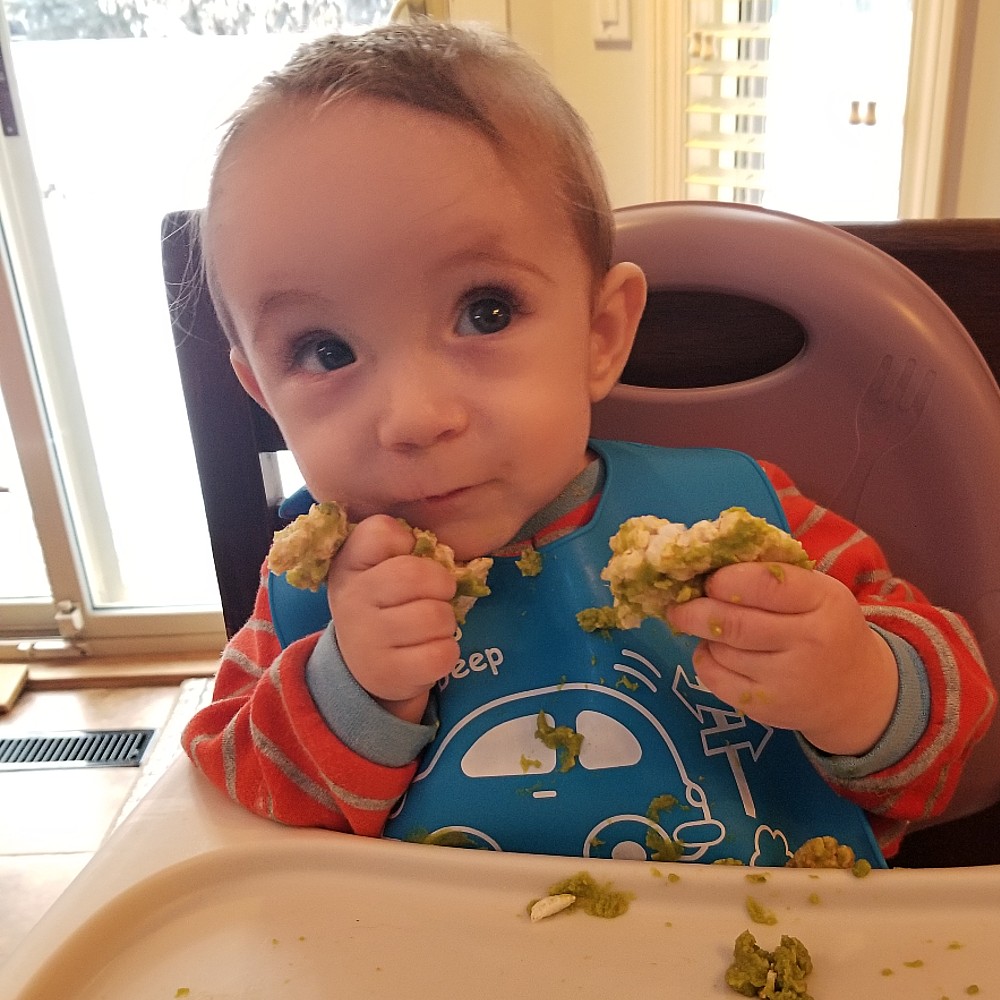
(421, 405)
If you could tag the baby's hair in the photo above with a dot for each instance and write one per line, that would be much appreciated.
(469, 74)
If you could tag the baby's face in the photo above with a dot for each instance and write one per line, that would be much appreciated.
(415, 317)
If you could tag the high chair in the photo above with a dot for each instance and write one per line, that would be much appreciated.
(795, 341)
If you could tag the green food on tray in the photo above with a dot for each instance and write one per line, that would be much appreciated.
(656, 563)
(599, 899)
(759, 913)
(304, 549)
(822, 852)
(771, 975)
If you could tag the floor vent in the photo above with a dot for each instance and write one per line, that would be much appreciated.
(75, 748)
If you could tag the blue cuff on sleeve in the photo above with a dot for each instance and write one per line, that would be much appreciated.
(908, 723)
(355, 718)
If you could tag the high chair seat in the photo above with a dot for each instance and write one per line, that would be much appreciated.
(887, 413)
(795, 341)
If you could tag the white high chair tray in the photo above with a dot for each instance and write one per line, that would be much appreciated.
(193, 898)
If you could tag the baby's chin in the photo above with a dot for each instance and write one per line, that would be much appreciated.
(468, 542)
(469, 536)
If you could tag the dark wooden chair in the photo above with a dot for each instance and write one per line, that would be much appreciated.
(235, 441)
(728, 316)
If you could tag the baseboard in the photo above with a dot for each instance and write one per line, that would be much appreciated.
(131, 671)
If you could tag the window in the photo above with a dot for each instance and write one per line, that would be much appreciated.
(111, 120)
(798, 105)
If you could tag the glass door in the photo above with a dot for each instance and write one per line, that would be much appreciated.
(111, 114)
(22, 568)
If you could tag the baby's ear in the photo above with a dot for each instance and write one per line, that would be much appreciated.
(620, 302)
(246, 376)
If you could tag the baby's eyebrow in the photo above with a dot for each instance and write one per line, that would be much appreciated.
(273, 304)
(275, 301)
(266, 312)
(486, 254)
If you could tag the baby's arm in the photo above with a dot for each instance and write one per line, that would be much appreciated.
(264, 742)
(945, 688)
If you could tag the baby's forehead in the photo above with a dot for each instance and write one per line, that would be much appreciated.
(345, 149)
(519, 140)
(352, 194)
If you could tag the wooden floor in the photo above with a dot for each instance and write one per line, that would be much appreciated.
(52, 821)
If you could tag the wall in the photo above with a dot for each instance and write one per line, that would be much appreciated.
(973, 183)
(620, 108)
(614, 90)
(612, 86)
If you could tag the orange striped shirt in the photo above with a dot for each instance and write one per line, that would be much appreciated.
(265, 744)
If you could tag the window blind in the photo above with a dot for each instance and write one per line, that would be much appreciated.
(728, 46)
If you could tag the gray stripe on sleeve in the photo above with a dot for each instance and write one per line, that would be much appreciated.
(354, 717)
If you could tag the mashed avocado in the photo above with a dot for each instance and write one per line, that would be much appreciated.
(660, 848)
(444, 838)
(656, 563)
(759, 913)
(599, 899)
(565, 741)
(470, 577)
(529, 562)
(777, 975)
(822, 852)
(597, 619)
(304, 549)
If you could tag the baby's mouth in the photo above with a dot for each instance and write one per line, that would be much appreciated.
(448, 495)
(441, 501)
(412, 506)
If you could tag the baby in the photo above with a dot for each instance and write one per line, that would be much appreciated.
(409, 243)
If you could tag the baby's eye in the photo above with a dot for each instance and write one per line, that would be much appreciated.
(489, 313)
(324, 353)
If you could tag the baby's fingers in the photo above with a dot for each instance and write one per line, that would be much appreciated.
(376, 570)
(735, 625)
(371, 542)
(751, 606)
(768, 586)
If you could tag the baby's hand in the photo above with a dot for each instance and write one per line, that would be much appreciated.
(395, 625)
(791, 648)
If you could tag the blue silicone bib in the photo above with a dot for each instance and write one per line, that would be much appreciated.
(665, 769)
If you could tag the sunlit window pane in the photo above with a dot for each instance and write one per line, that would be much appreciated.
(22, 571)
(123, 130)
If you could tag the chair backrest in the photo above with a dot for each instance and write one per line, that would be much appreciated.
(234, 439)
(793, 340)
(883, 409)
